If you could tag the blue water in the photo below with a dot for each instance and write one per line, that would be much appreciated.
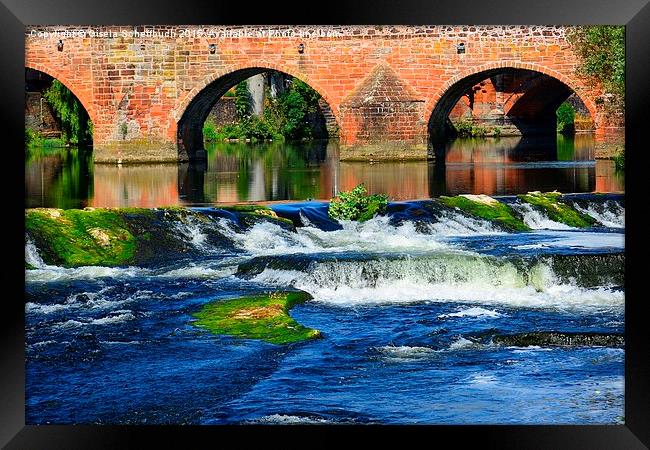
(402, 343)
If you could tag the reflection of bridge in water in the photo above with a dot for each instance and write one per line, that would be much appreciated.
(238, 172)
(496, 167)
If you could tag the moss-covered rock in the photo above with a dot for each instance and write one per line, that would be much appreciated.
(135, 236)
(264, 317)
(487, 208)
(549, 203)
(81, 237)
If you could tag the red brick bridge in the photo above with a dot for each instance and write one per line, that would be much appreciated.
(390, 89)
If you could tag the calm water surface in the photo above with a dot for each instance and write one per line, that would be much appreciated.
(68, 178)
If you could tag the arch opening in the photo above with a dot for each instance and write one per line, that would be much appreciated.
(53, 112)
(221, 104)
(503, 102)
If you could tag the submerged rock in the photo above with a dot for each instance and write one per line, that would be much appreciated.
(589, 270)
(253, 267)
(560, 339)
(264, 317)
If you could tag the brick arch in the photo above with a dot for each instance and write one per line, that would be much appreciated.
(442, 101)
(189, 137)
(184, 101)
(87, 103)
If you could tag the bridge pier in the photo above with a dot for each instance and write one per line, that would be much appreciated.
(136, 151)
(382, 120)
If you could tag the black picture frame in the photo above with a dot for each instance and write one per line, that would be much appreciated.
(15, 14)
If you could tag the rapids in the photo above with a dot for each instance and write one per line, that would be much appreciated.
(404, 302)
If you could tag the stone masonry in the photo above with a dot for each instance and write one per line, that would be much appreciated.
(148, 89)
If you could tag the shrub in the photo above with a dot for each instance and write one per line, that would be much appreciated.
(284, 116)
(242, 100)
(210, 131)
(75, 123)
(619, 160)
(601, 49)
(33, 139)
(466, 128)
(357, 205)
(565, 118)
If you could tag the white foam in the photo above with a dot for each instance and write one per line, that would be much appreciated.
(537, 220)
(580, 239)
(472, 312)
(610, 214)
(54, 273)
(127, 315)
(107, 320)
(39, 308)
(32, 255)
(461, 343)
(482, 378)
(459, 225)
(199, 271)
(43, 343)
(405, 352)
(454, 277)
(191, 228)
(283, 419)
(375, 235)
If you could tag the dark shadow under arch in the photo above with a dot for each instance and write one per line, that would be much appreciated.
(190, 125)
(532, 111)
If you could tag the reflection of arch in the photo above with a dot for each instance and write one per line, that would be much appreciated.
(440, 105)
(191, 111)
(85, 102)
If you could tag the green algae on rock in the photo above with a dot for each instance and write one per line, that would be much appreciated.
(487, 208)
(262, 317)
(137, 236)
(556, 210)
(81, 237)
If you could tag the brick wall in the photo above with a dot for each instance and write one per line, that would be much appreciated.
(137, 88)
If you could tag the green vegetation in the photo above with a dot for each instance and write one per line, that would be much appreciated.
(601, 49)
(75, 123)
(565, 119)
(285, 117)
(486, 208)
(466, 128)
(76, 127)
(557, 211)
(242, 99)
(33, 140)
(295, 172)
(81, 237)
(264, 317)
(357, 205)
(619, 160)
(130, 236)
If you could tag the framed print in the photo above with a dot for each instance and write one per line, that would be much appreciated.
(413, 220)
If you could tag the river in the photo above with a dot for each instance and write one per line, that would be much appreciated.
(410, 307)
(67, 178)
